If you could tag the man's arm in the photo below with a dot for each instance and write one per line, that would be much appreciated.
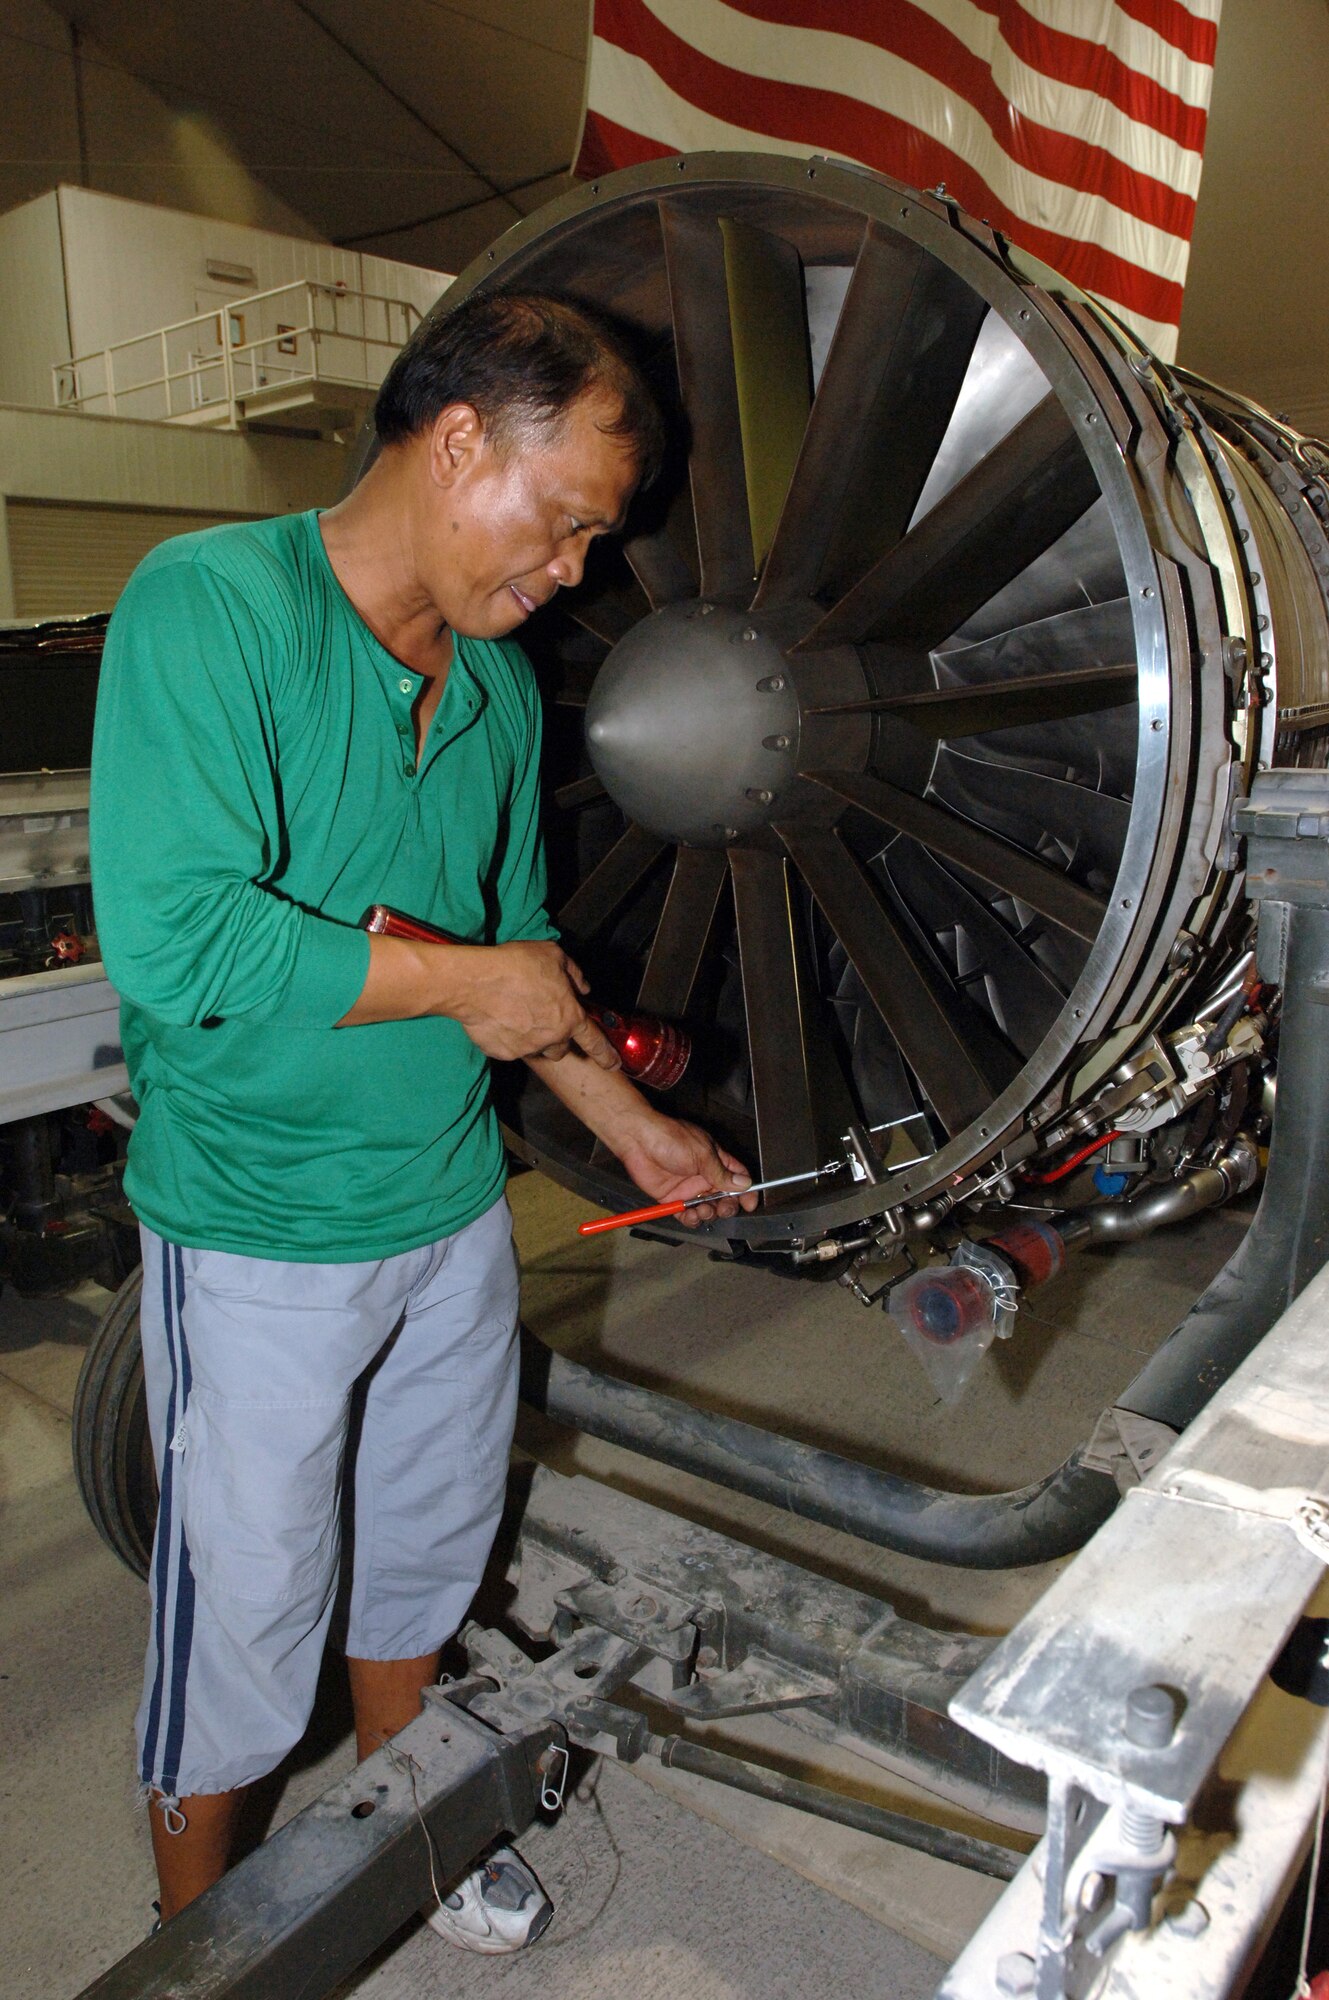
(185, 823)
(668, 1158)
(186, 826)
(513, 1000)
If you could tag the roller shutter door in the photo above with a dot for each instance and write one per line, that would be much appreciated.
(69, 559)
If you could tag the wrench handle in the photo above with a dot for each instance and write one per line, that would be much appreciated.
(657, 1214)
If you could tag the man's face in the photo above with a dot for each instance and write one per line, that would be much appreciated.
(511, 524)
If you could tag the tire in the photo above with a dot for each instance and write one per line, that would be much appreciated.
(113, 1461)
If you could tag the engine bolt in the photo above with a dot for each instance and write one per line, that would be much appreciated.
(1015, 1973)
(1190, 1921)
(773, 684)
(1151, 1717)
(1091, 1891)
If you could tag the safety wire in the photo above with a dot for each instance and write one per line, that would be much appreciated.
(401, 1762)
(1302, 1989)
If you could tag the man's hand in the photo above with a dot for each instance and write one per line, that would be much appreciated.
(668, 1159)
(513, 1000)
(671, 1160)
(518, 1000)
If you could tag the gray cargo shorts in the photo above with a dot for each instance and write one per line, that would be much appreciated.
(250, 1366)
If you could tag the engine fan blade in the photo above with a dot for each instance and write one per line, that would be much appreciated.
(703, 348)
(1089, 635)
(1088, 827)
(581, 792)
(1023, 998)
(792, 1115)
(998, 519)
(1006, 866)
(931, 1034)
(897, 360)
(772, 368)
(685, 925)
(662, 560)
(609, 608)
(611, 882)
(968, 709)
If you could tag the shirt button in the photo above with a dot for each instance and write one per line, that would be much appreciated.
(406, 686)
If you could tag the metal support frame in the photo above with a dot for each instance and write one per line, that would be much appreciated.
(59, 1041)
(628, 1595)
(1125, 1683)
(734, 1631)
(306, 1908)
(1191, 1588)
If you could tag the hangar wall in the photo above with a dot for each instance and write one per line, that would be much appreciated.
(114, 488)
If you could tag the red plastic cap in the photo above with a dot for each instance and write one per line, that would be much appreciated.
(1035, 1248)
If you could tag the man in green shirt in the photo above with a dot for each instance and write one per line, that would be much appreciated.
(297, 719)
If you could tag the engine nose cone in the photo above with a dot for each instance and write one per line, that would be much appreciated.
(692, 724)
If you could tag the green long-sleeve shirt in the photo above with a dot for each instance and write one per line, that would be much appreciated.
(254, 790)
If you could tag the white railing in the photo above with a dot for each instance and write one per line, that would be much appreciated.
(204, 369)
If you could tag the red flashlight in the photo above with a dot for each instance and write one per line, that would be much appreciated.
(651, 1051)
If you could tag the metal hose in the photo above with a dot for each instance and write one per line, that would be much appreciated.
(1288, 1240)
(982, 1531)
(965, 1850)
(1175, 1201)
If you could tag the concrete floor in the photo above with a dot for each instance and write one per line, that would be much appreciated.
(652, 1895)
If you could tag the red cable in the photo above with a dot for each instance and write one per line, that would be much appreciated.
(1069, 1166)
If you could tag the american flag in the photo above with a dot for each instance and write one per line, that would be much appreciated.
(1074, 126)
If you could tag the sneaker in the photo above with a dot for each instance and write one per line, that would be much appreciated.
(499, 1907)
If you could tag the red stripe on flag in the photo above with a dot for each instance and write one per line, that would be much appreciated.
(915, 37)
(1090, 66)
(1195, 37)
(825, 119)
(606, 146)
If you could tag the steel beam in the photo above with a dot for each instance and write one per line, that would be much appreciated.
(1191, 1588)
(734, 1631)
(59, 1041)
(301, 1913)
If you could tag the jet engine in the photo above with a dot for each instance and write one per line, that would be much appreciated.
(894, 747)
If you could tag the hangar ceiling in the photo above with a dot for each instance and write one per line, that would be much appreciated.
(418, 128)
(423, 128)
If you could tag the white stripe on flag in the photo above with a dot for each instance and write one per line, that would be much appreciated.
(1140, 48)
(1065, 107)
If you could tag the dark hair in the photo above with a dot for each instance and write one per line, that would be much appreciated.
(521, 359)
